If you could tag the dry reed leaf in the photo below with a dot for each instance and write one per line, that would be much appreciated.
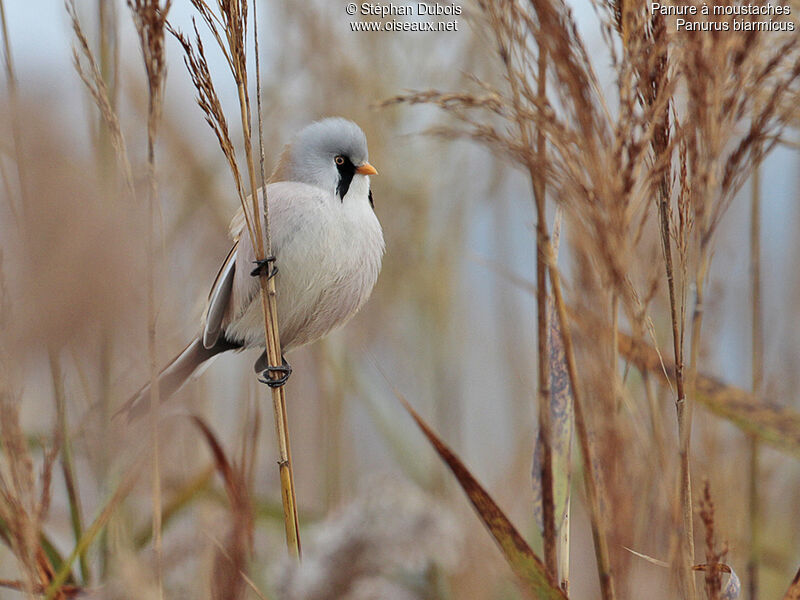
(793, 593)
(68, 591)
(530, 571)
(561, 429)
(230, 560)
(733, 587)
(561, 417)
(650, 559)
(775, 425)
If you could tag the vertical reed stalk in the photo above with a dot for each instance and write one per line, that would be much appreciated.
(594, 490)
(680, 405)
(546, 254)
(106, 166)
(542, 238)
(757, 358)
(150, 19)
(269, 307)
(543, 367)
(685, 417)
(263, 248)
(660, 144)
(152, 348)
(233, 47)
(614, 360)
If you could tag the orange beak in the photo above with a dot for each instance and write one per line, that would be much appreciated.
(366, 169)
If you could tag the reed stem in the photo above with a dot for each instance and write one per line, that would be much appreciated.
(542, 328)
(757, 358)
(591, 478)
(263, 248)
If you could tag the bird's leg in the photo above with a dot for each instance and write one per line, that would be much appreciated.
(275, 382)
(263, 267)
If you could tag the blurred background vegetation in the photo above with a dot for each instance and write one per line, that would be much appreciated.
(451, 325)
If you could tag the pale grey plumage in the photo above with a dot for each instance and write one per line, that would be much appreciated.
(310, 156)
(328, 250)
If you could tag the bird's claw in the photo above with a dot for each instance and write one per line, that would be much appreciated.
(263, 267)
(285, 370)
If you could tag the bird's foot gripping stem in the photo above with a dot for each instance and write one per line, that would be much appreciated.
(263, 267)
(282, 372)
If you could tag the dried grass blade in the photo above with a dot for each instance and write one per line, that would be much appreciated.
(518, 554)
(650, 559)
(69, 591)
(777, 426)
(51, 554)
(233, 482)
(793, 593)
(733, 588)
(561, 432)
(561, 427)
(227, 582)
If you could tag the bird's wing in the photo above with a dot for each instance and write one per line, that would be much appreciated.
(291, 209)
(219, 298)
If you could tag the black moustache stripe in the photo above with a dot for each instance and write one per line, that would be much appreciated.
(346, 173)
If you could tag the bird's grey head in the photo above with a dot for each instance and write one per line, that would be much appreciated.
(329, 154)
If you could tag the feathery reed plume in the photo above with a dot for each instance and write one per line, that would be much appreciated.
(737, 68)
(391, 527)
(593, 163)
(13, 97)
(231, 39)
(653, 77)
(97, 88)
(23, 508)
(606, 168)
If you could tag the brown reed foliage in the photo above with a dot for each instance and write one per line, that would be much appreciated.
(690, 121)
(676, 125)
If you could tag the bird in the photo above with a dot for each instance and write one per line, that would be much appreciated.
(327, 247)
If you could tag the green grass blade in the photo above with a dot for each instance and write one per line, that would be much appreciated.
(123, 489)
(67, 463)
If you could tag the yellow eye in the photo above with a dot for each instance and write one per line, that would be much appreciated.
(339, 160)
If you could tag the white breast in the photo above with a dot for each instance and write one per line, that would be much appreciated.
(328, 253)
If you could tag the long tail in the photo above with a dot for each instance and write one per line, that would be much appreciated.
(173, 376)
